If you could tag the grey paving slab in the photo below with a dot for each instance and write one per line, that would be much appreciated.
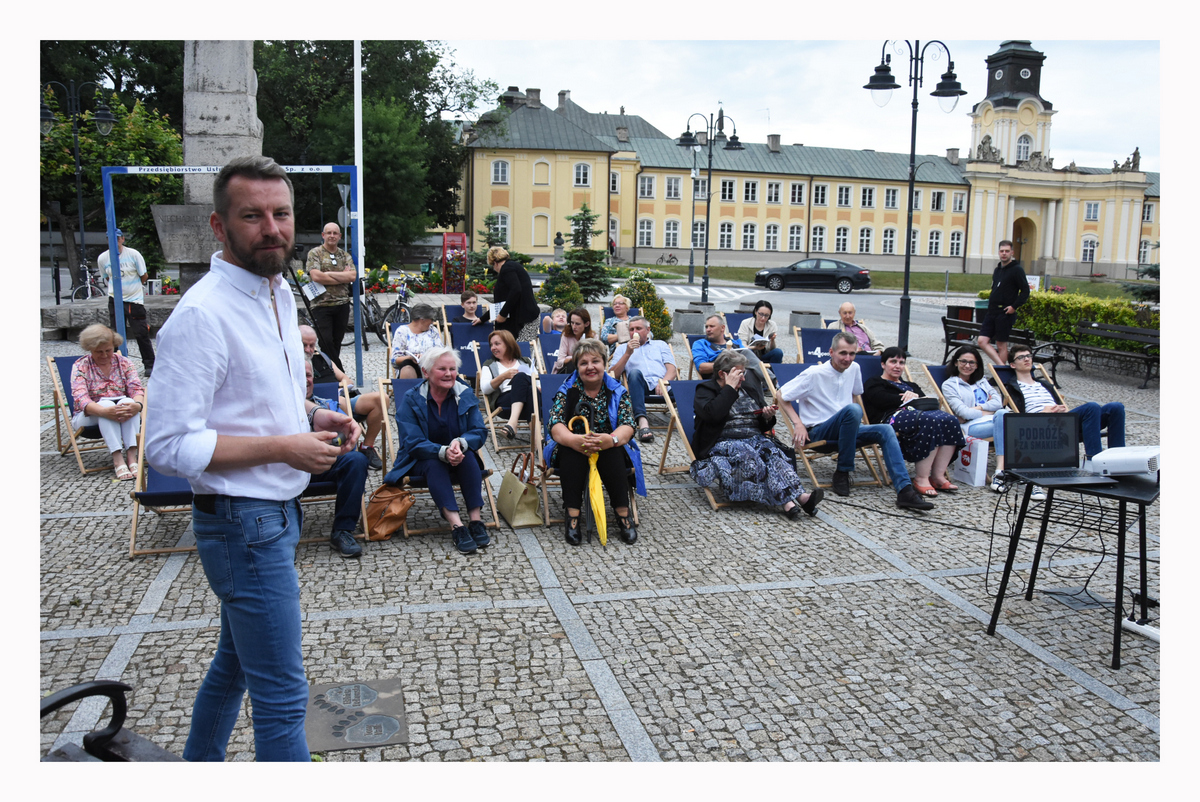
(879, 671)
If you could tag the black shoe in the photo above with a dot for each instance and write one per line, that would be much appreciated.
(573, 533)
(814, 499)
(626, 529)
(342, 541)
(463, 540)
(909, 498)
(479, 534)
(841, 483)
(373, 460)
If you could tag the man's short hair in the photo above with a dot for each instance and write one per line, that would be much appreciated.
(467, 295)
(636, 318)
(260, 168)
(717, 316)
(1004, 242)
(1017, 350)
(844, 336)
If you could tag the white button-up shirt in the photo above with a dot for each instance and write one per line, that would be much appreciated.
(222, 368)
(819, 393)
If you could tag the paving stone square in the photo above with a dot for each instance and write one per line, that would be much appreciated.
(728, 636)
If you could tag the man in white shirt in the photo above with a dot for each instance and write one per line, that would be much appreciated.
(133, 276)
(829, 397)
(646, 360)
(229, 414)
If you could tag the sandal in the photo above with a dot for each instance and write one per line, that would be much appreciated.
(123, 474)
(133, 469)
(924, 489)
(946, 486)
(508, 432)
(645, 435)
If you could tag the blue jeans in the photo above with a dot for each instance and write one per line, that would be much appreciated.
(774, 356)
(1094, 418)
(248, 550)
(846, 430)
(638, 392)
(990, 427)
(349, 472)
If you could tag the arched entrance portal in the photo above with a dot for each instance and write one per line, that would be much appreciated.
(1024, 238)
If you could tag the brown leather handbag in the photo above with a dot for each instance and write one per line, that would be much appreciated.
(387, 510)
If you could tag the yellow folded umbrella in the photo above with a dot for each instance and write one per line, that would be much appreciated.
(595, 489)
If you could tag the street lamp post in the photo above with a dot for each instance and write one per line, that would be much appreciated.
(692, 225)
(947, 92)
(714, 128)
(104, 125)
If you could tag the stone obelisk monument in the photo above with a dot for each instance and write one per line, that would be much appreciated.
(220, 122)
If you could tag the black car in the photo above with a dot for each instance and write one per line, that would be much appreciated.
(816, 274)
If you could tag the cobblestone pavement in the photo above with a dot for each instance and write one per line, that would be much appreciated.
(728, 636)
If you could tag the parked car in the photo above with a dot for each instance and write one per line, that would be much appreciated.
(816, 274)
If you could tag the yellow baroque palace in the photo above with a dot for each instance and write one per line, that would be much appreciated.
(773, 204)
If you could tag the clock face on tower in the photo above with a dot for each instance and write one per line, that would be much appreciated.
(1025, 73)
(999, 74)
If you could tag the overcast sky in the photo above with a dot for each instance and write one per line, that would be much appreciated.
(811, 92)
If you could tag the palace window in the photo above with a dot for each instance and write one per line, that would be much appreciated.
(583, 175)
(864, 240)
(818, 238)
(671, 234)
(750, 191)
(727, 189)
(844, 195)
(698, 234)
(841, 238)
(1089, 251)
(1091, 210)
(645, 233)
(956, 240)
(645, 186)
(796, 237)
(674, 185)
(749, 236)
(891, 198)
(935, 243)
(773, 188)
(1024, 143)
(797, 193)
(725, 236)
(771, 237)
(960, 202)
(868, 197)
(889, 240)
(819, 191)
(499, 172)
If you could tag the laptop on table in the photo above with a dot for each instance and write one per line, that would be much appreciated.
(1042, 448)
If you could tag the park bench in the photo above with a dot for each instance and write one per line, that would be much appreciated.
(964, 332)
(113, 743)
(1068, 345)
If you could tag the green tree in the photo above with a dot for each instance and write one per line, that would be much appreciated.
(560, 289)
(305, 100)
(1148, 293)
(586, 265)
(146, 70)
(394, 187)
(139, 137)
(642, 296)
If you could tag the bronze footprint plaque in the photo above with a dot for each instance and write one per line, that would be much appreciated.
(355, 715)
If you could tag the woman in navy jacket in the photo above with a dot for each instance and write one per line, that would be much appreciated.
(440, 428)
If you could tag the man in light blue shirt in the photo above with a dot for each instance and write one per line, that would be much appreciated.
(133, 276)
(645, 360)
(715, 341)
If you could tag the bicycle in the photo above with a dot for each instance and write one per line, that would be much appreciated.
(668, 259)
(92, 285)
(398, 314)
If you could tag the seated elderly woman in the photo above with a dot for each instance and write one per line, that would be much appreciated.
(929, 438)
(507, 380)
(605, 404)
(732, 448)
(609, 333)
(108, 394)
(413, 339)
(978, 406)
(440, 428)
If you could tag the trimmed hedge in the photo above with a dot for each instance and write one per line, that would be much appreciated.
(1047, 312)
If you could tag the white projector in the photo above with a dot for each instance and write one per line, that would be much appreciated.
(1126, 460)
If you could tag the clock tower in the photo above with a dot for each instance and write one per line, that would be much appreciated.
(1013, 121)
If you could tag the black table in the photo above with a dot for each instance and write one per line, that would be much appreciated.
(1128, 490)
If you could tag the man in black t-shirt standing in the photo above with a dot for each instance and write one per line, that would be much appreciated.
(1010, 289)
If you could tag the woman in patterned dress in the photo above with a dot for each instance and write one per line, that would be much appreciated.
(928, 438)
(731, 447)
(108, 394)
(604, 402)
(412, 340)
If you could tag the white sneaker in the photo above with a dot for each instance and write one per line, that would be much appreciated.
(998, 483)
(1039, 493)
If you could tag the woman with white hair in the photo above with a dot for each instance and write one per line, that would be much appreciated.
(608, 332)
(108, 394)
(413, 339)
(440, 429)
